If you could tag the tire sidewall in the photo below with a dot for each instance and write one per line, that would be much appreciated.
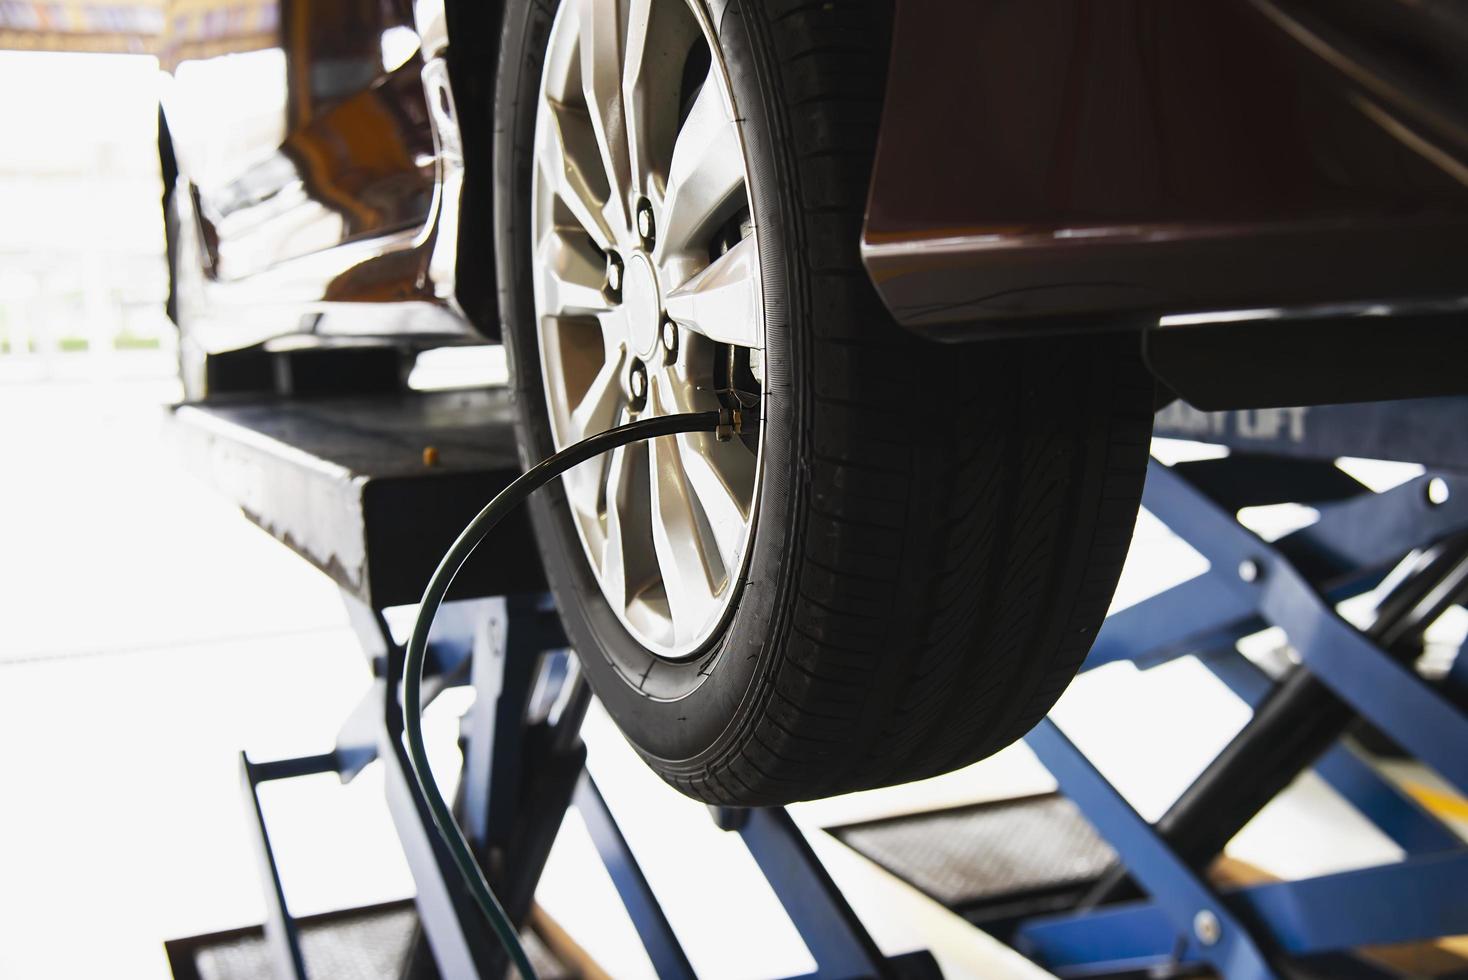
(681, 715)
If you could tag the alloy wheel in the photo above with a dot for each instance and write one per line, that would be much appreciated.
(648, 302)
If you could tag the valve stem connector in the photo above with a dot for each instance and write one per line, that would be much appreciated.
(731, 424)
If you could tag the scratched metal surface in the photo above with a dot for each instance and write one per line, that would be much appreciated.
(344, 483)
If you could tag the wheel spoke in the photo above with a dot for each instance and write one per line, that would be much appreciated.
(706, 172)
(583, 487)
(602, 23)
(722, 302)
(658, 38)
(567, 140)
(598, 408)
(637, 111)
(686, 577)
(614, 548)
(721, 475)
(627, 517)
(596, 412)
(569, 283)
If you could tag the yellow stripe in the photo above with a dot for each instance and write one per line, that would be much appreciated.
(1442, 804)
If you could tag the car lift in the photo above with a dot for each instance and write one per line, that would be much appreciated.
(1344, 675)
(372, 490)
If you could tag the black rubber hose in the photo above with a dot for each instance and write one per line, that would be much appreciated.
(438, 586)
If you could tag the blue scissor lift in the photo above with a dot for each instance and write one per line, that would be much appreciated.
(1410, 544)
(1151, 909)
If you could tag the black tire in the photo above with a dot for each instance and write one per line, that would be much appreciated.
(940, 529)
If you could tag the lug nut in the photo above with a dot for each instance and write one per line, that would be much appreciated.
(637, 385)
(670, 340)
(613, 287)
(645, 227)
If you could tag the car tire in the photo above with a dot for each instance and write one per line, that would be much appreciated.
(939, 529)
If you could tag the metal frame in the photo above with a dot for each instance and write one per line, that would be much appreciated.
(526, 719)
(332, 479)
(501, 647)
(525, 760)
(828, 926)
(1168, 915)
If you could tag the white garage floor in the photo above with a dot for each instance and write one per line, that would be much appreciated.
(150, 633)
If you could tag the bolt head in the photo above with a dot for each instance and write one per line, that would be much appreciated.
(1206, 928)
(1249, 570)
(612, 287)
(645, 224)
(637, 384)
(1437, 491)
(670, 338)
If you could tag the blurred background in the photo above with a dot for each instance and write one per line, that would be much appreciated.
(82, 276)
(150, 632)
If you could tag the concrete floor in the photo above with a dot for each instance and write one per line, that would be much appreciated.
(151, 633)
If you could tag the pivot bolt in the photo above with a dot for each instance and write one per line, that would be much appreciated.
(670, 340)
(1206, 927)
(637, 385)
(645, 227)
(613, 286)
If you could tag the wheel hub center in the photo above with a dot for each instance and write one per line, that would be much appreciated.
(644, 306)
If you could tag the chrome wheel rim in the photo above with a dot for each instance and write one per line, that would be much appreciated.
(648, 302)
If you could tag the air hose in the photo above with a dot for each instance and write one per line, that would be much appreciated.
(725, 423)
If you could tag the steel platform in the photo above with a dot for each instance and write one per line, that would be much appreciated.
(990, 862)
(370, 943)
(371, 490)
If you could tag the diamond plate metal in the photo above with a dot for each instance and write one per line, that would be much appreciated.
(977, 854)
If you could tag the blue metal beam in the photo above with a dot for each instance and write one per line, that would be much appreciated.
(653, 928)
(1375, 529)
(838, 942)
(1202, 927)
(1358, 671)
(1420, 898)
(1394, 813)
(1353, 539)
(1393, 696)
(456, 932)
(281, 936)
(1250, 583)
(1191, 616)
